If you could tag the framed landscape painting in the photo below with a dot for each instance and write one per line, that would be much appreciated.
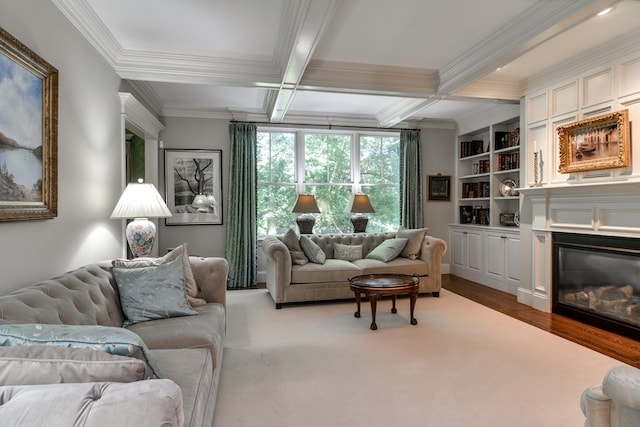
(596, 143)
(193, 185)
(28, 133)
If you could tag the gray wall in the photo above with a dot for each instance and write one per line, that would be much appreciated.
(196, 133)
(438, 154)
(89, 177)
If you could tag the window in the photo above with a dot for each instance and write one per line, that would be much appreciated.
(332, 165)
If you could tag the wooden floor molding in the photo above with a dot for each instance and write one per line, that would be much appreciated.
(615, 346)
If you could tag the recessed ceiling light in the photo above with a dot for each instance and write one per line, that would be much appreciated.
(605, 11)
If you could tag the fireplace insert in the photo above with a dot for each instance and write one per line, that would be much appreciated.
(596, 280)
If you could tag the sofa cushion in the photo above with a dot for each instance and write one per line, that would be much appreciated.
(312, 251)
(399, 265)
(112, 340)
(140, 403)
(179, 252)
(415, 238)
(207, 330)
(290, 239)
(347, 252)
(23, 365)
(153, 292)
(388, 250)
(333, 270)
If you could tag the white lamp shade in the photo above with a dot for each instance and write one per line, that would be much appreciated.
(140, 200)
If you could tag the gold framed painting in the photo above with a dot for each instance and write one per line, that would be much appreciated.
(596, 143)
(28, 133)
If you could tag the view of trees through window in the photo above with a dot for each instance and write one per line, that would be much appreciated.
(332, 166)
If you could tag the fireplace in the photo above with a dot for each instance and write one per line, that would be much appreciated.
(596, 280)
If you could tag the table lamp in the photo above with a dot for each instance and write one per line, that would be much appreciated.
(305, 206)
(140, 201)
(359, 205)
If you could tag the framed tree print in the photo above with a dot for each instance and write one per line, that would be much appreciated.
(193, 185)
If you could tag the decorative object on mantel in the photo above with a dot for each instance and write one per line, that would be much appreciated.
(305, 206)
(596, 143)
(358, 206)
(537, 167)
(140, 201)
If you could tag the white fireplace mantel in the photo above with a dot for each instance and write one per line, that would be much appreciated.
(604, 208)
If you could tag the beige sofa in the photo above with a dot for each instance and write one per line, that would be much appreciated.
(187, 351)
(288, 283)
(615, 402)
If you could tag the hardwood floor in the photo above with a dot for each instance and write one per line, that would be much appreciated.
(615, 346)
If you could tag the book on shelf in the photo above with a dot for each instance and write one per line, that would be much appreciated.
(474, 215)
(471, 148)
(507, 161)
(504, 140)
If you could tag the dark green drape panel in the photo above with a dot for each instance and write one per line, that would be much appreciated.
(241, 240)
(411, 215)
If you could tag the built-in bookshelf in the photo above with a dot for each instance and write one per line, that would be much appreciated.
(488, 173)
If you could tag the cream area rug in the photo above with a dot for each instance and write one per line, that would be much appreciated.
(463, 364)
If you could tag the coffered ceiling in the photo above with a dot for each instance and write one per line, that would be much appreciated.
(375, 62)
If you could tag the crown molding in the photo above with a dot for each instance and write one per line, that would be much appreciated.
(83, 17)
(539, 23)
(400, 110)
(138, 114)
(492, 87)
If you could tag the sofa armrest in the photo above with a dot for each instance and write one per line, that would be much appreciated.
(622, 386)
(596, 407)
(211, 278)
(432, 250)
(278, 267)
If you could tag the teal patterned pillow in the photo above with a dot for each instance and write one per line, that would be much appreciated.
(153, 292)
(112, 340)
(315, 254)
(388, 250)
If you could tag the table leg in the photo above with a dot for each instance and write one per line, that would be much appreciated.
(357, 314)
(393, 307)
(412, 298)
(374, 305)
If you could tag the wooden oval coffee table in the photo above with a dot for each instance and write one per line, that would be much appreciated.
(375, 286)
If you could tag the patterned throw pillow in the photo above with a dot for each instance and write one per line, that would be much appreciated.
(154, 292)
(179, 252)
(347, 252)
(388, 250)
(315, 254)
(112, 340)
(297, 255)
(414, 245)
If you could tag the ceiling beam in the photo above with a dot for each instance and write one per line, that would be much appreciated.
(309, 20)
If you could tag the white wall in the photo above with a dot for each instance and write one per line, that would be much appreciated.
(196, 133)
(89, 166)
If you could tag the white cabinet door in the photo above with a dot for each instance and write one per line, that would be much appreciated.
(494, 251)
(459, 248)
(512, 259)
(474, 250)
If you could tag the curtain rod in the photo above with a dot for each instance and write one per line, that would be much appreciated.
(330, 127)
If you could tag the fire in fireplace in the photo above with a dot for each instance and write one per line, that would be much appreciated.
(596, 280)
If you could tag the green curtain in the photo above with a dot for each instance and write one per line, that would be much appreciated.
(241, 240)
(411, 205)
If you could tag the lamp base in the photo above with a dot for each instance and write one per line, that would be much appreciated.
(359, 222)
(141, 235)
(305, 223)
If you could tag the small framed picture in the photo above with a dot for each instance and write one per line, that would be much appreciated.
(439, 187)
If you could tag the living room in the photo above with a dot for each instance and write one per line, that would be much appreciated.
(90, 157)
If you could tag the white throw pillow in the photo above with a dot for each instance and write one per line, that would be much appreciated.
(347, 252)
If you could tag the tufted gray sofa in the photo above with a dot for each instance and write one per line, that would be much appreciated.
(289, 283)
(187, 350)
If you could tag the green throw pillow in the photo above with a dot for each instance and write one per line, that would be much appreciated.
(112, 340)
(153, 292)
(388, 250)
(312, 250)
